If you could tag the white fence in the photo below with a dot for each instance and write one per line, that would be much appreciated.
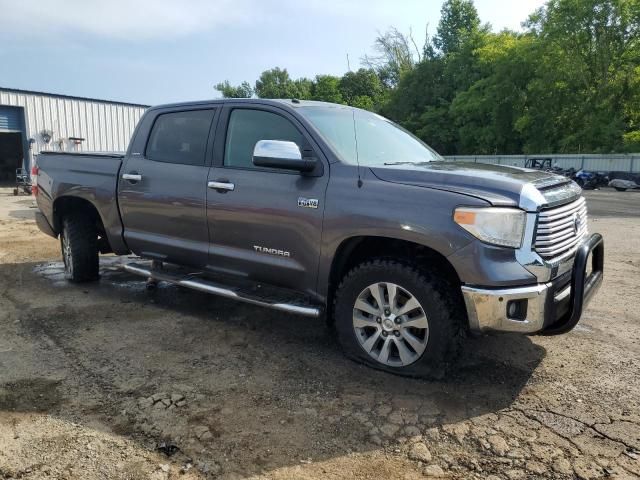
(599, 163)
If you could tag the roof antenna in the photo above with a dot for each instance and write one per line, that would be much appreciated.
(355, 136)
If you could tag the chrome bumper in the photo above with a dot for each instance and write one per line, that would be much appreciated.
(487, 309)
(549, 308)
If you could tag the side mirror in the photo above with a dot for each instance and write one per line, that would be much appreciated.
(281, 154)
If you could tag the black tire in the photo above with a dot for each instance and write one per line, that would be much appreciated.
(79, 245)
(446, 319)
(620, 189)
(15, 192)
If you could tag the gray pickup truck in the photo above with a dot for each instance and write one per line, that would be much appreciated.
(327, 210)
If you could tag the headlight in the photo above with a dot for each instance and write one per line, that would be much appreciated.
(498, 226)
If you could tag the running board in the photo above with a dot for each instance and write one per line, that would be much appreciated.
(222, 291)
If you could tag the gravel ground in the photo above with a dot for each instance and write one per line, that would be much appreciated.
(110, 381)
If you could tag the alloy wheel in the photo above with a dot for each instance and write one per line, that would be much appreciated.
(67, 256)
(390, 324)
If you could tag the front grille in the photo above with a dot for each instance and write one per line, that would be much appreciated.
(561, 229)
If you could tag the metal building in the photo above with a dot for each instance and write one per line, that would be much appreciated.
(31, 122)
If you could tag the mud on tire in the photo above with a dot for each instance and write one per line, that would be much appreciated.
(445, 316)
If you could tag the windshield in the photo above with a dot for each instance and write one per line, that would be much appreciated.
(362, 137)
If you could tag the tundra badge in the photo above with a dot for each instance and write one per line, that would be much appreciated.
(271, 251)
(307, 202)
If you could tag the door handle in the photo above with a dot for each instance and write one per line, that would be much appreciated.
(132, 177)
(221, 185)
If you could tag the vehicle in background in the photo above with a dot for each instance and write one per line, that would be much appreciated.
(539, 164)
(546, 164)
(322, 209)
(623, 181)
(591, 180)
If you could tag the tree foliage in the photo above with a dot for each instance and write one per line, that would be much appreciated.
(276, 83)
(362, 88)
(327, 89)
(569, 83)
(244, 90)
(458, 20)
(587, 54)
(395, 54)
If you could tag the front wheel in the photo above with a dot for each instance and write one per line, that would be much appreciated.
(394, 317)
(620, 189)
(79, 244)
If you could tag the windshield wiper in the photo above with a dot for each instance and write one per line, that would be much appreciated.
(404, 163)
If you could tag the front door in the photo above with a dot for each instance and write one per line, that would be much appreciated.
(264, 224)
(162, 191)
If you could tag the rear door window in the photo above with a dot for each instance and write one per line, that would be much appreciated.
(180, 137)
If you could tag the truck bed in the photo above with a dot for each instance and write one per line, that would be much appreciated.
(88, 176)
(59, 173)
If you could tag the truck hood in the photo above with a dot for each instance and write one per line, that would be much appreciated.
(500, 185)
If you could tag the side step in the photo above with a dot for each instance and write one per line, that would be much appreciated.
(222, 291)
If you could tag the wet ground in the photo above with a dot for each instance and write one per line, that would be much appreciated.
(108, 380)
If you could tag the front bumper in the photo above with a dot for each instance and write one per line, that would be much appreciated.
(548, 308)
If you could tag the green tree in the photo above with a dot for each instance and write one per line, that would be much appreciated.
(486, 113)
(355, 86)
(458, 20)
(581, 98)
(631, 138)
(276, 83)
(326, 88)
(395, 54)
(569, 83)
(227, 90)
(422, 101)
(421, 104)
(304, 88)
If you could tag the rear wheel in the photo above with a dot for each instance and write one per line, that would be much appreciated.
(393, 317)
(79, 244)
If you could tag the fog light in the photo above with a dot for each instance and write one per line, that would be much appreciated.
(517, 309)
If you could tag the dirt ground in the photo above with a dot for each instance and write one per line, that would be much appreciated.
(108, 380)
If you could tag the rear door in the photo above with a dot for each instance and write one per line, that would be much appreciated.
(264, 224)
(162, 187)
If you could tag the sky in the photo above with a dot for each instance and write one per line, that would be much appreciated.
(158, 51)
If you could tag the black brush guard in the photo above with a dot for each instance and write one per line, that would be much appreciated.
(583, 287)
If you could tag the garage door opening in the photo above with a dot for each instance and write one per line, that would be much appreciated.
(11, 155)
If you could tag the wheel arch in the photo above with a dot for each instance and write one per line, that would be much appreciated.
(357, 249)
(65, 205)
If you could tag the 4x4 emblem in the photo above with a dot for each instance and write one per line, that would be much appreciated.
(308, 202)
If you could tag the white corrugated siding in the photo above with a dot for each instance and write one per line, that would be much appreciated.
(105, 126)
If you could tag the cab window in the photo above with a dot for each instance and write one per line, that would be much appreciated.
(247, 127)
